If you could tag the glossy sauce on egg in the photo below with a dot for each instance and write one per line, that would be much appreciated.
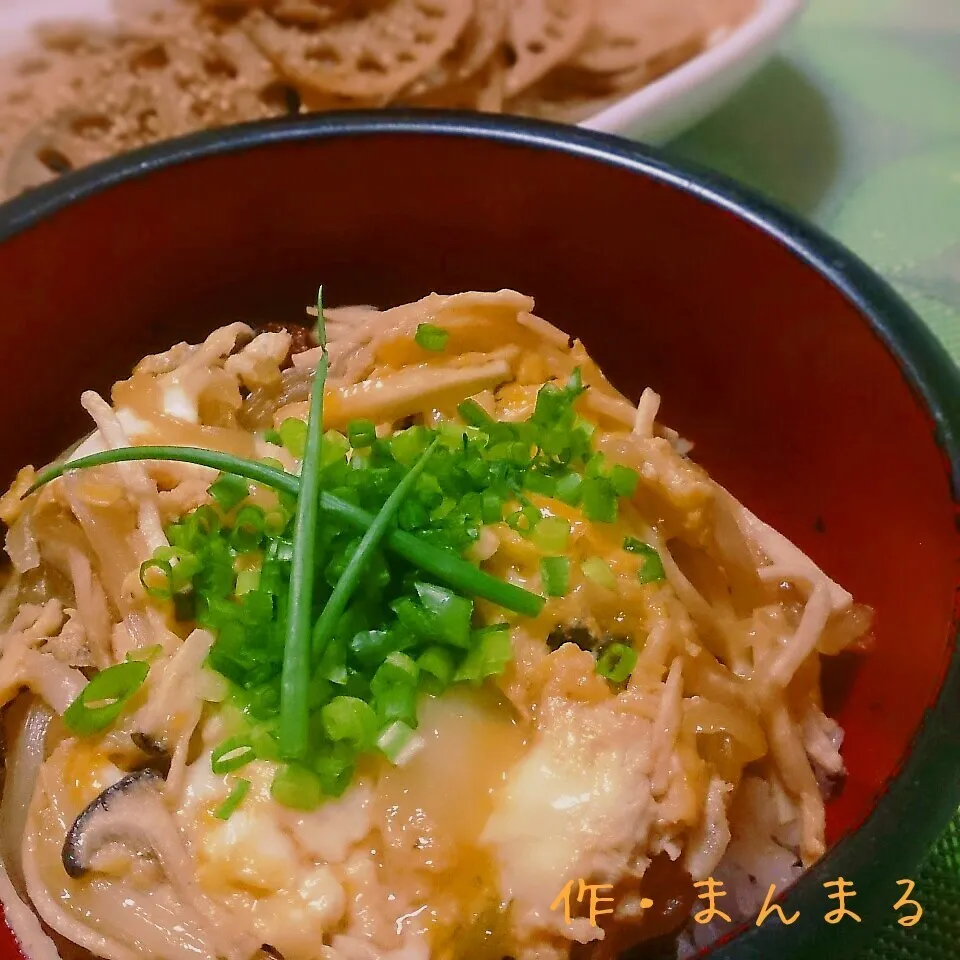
(433, 809)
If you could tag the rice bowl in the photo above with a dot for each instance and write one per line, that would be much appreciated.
(577, 638)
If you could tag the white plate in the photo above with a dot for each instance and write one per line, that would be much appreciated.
(656, 113)
(680, 98)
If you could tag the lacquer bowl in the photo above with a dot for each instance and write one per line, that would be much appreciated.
(807, 385)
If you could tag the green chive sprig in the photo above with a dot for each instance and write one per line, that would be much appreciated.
(438, 561)
(294, 708)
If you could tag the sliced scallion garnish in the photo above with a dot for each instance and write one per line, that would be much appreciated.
(616, 663)
(555, 576)
(431, 337)
(102, 700)
(597, 570)
(652, 570)
(237, 795)
(231, 755)
(350, 577)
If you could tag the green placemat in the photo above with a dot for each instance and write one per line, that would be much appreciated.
(857, 126)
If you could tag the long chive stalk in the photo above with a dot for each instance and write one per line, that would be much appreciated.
(293, 733)
(441, 563)
(347, 583)
(252, 470)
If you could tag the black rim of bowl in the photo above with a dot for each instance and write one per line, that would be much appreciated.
(919, 801)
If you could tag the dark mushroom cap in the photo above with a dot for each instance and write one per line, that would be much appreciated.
(158, 757)
(75, 854)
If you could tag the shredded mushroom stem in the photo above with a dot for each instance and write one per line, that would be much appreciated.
(22, 665)
(797, 648)
(353, 350)
(667, 725)
(543, 328)
(174, 706)
(398, 395)
(646, 415)
(614, 407)
(787, 562)
(91, 606)
(786, 746)
(134, 475)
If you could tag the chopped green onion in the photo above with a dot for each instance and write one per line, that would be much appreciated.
(293, 436)
(146, 654)
(275, 521)
(397, 703)
(616, 663)
(555, 576)
(491, 507)
(370, 646)
(524, 519)
(297, 787)
(157, 578)
(351, 719)
(552, 405)
(248, 529)
(473, 414)
(264, 745)
(183, 566)
(599, 500)
(595, 467)
(599, 572)
(361, 433)
(538, 482)
(247, 581)
(294, 692)
(335, 448)
(451, 613)
(399, 742)
(436, 669)
(651, 570)
(335, 769)
(491, 649)
(551, 534)
(228, 490)
(397, 669)
(407, 445)
(624, 480)
(350, 578)
(431, 337)
(273, 436)
(237, 795)
(568, 488)
(443, 510)
(102, 700)
(447, 566)
(231, 755)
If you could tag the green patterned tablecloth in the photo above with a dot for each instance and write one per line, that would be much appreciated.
(857, 126)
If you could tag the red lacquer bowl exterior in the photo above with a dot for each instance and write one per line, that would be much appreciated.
(808, 387)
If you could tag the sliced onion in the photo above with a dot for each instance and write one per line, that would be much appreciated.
(34, 942)
(22, 545)
(23, 762)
